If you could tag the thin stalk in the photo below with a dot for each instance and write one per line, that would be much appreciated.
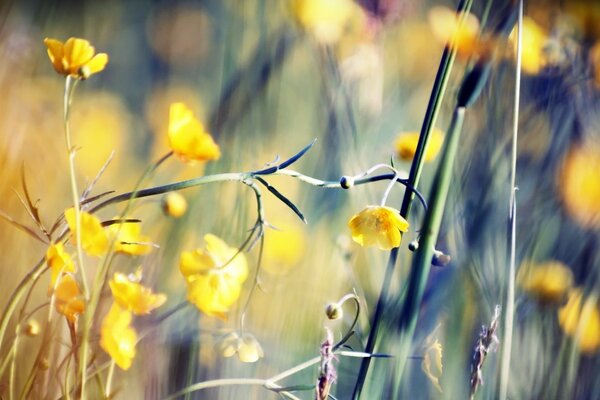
(433, 107)
(510, 291)
(421, 265)
(109, 378)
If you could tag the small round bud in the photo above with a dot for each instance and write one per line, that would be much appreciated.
(440, 259)
(44, 364)
(174, 204)
(346, 182)
(414, 245)
(31, 328)
(334, 311)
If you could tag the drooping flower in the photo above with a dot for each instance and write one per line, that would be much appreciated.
(59, 261)
(117, 337)
(581, 321)
(188, 137)
(326, 20)
(94, 239)
(246, 347)
(378, 226)
(579, 184)
(214, 276)
(548, 282)
(68, 298)
(174, 204)
(131, 295)
(76, 57)
(129, 239)
(406, 145)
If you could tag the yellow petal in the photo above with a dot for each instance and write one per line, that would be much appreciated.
(59, 261)
(117, 337)
(547, 282)
(95, 65)
(378, 226)
(129, 239)
(55, 53)
(581, 322)
(134, 296)
(188, 138)
(68, 298)
(94, 239)
(406, 145)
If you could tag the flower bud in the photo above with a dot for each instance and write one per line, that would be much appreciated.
(334, 311)
(440, 259)
(31, 328)
(174, 204)
(346, 182)
(414, 245)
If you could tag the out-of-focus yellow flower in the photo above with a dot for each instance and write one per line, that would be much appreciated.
(579, 184)
(129, 239)
(94, 239)
(68, 298)
(174, 204)
(247, 348)
(76, 57)
(533, 56)
(326, 20)
(432, 363)
(283, 249)
(214, 276)
(59, 261)
(133, 296)
(548, 282)
(446, 27)
(406, 145)
(188, 138)
(117, 337)
(582, 322)
(378, 226)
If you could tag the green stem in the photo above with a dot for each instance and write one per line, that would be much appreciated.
(421, 265)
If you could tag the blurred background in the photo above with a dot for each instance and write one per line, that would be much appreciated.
(266, 77)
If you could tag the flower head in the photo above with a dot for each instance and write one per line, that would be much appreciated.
(448, 29)
(214, 276)
(59, 261)
(406, 145)
(246, 347)
(94, 239)
(579, 184)
(132, 296)
(76, 57)
(117, 337)
(534, 40)
(581, 320)
(547, 282)
(326, 20)
(378, 226)
(188, 137)
(129, 239)
(68, 298)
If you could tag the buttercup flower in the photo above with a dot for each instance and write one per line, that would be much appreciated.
(76, 57)
(579, 184)
(378, 226)
(174, 204)
(94, 239)
(188, 137)
(214, 276)
(68, 298)
(446, 27)
(582, 322)
(117, 337)
(324, 19)
(547, 282)
(129, 239)
(533, 56)
(247, 348)
(59, 261)
(406, 145)
(132, 296)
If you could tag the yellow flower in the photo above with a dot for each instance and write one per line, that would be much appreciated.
(247, 348)
(188, 138)
(378, 226)
(174, 204)
(446, 28)
(581, 322)
(548, 282)
(94, 239)
(283, 249)
(534, 39)
(59, 261)
(324, 19)
(432, 363)
(129, 239)
(406, 145)
(214, 277)
(117, 337)
(76, 57)
(134, 297)
(68, 298)
(579, 184)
